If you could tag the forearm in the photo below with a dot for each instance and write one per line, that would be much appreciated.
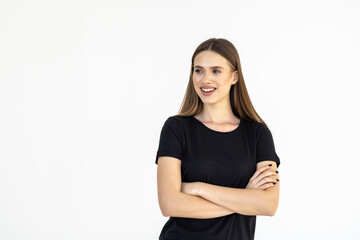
(190, 206)
(242, 201)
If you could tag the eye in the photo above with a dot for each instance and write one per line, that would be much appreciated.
(197, 70)
(217, 71)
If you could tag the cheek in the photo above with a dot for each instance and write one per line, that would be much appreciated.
(196, 82)
(195, 78)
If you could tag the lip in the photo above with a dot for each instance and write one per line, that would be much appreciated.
(207, 93)
(206, 87)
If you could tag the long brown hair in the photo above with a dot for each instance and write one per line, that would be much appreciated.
(239, 98)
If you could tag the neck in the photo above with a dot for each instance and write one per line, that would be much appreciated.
(218, 112)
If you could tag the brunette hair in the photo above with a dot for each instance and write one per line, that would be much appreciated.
(239, 98)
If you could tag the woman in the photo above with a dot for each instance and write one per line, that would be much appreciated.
(217, 165)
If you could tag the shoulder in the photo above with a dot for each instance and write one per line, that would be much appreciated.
(252, 125)
(255, 128)
(178, 121)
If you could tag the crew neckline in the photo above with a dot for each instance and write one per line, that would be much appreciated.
(218, 132)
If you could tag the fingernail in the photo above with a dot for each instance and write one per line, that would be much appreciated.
(277, 171)
(277, 180)
(270, 165)
(274, 183)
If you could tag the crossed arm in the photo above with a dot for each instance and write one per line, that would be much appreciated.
(203, 200)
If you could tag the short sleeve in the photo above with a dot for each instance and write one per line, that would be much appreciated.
(171, 140)
(265, 148)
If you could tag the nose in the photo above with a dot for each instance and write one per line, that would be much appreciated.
(207, 77)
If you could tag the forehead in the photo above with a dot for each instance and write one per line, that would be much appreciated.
(210, 58)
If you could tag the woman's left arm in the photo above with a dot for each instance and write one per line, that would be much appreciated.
(239, 200)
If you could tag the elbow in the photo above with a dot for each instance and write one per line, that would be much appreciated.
(165, 210)
(170, 212)
(271, 201)
(168, 205)
(165, 214)
(271, 210)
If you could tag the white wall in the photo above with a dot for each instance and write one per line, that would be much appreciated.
(85, 87)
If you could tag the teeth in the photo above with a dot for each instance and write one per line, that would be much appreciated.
(208, 90)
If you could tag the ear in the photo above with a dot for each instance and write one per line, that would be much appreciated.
(235, 77)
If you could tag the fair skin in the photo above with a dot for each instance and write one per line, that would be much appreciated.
(248, 201)
(203, 200)
(213, 70)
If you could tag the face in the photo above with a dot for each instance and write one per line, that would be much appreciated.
(213, 71)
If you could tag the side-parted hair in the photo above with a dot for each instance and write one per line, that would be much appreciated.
(239, 98)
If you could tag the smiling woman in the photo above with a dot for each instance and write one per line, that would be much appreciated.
(217, 164)
(213, 76)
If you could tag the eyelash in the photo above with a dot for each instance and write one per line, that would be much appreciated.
(196, 70)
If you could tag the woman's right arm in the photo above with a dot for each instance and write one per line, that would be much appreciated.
(175, 203)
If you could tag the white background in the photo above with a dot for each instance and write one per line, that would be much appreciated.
(86, 86)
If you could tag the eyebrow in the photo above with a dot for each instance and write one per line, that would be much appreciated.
(197, 66)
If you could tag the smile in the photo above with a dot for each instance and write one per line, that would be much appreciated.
(207, 91)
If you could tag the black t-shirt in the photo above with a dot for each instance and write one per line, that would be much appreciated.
(221, 158)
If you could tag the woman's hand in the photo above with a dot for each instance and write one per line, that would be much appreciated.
(263, 178)
(190, 188)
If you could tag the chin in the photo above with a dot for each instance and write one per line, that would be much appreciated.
(208, 102)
